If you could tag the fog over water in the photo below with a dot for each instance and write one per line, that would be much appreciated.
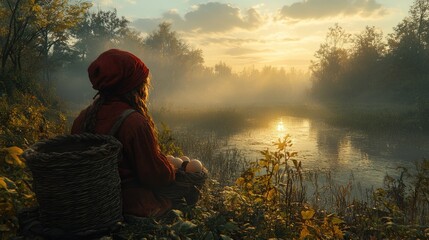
(204, 88)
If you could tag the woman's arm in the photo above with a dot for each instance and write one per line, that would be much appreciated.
(142, 151)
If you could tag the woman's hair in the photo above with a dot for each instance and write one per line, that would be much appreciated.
(136, 98)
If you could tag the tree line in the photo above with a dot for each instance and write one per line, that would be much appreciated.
(370, 68)
(46, 47)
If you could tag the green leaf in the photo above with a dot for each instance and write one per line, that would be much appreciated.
(183, 226)
(209, 236)
(176, 213)
(225, 237)
(231, 227)
(336, 220)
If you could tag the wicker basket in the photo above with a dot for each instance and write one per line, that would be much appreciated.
(76, 181)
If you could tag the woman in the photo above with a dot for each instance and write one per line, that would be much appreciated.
(122, 82)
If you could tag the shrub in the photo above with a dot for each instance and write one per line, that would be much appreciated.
(15, 192)
(25, 120)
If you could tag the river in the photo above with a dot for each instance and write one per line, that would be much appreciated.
(346, 154)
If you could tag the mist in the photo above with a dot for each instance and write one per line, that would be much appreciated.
(180, 79)
(357, 74)
(351, 74)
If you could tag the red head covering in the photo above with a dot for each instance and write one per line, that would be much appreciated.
(116, 72)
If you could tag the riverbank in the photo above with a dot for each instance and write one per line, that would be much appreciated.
(379, 119)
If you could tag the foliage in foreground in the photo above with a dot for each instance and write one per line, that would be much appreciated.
(269, 201)
(15, 192)
(25, 120)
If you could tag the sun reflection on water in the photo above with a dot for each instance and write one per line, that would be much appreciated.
(321, 147)
(281, 126)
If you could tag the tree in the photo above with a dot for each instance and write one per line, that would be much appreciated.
(365, 65)
(54, 19)
(222, 70)
(16, 34)
(98, 31)
(331, 60)
(420, 17)
(167, 46)
(32, 27)
(409, 44)
(373, 70)
(369, 45)
(165, 42)
(409, 53)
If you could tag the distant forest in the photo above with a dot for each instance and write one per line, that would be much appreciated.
(367, 67)
(46, 47)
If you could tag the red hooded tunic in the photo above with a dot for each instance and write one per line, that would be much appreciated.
(143, 167)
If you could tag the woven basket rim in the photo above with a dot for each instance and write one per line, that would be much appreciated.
(28, 153)
(110, 143)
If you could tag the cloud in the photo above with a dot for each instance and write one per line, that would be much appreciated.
(106, 2)
(219, 17)
(146, 24)
(288, 39)
(174, 18)
(239, 51)
(318, 9)
(231, 40)
(234, 41)
(208, 17)
(151, 24)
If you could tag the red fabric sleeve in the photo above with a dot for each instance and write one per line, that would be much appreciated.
(78, 123)
(142, 150)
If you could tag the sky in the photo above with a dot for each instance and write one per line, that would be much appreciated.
(255, 33)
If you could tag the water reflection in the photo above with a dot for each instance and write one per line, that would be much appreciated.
(280, 126)
(329, 143)
(323, 147)
(344, 152)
